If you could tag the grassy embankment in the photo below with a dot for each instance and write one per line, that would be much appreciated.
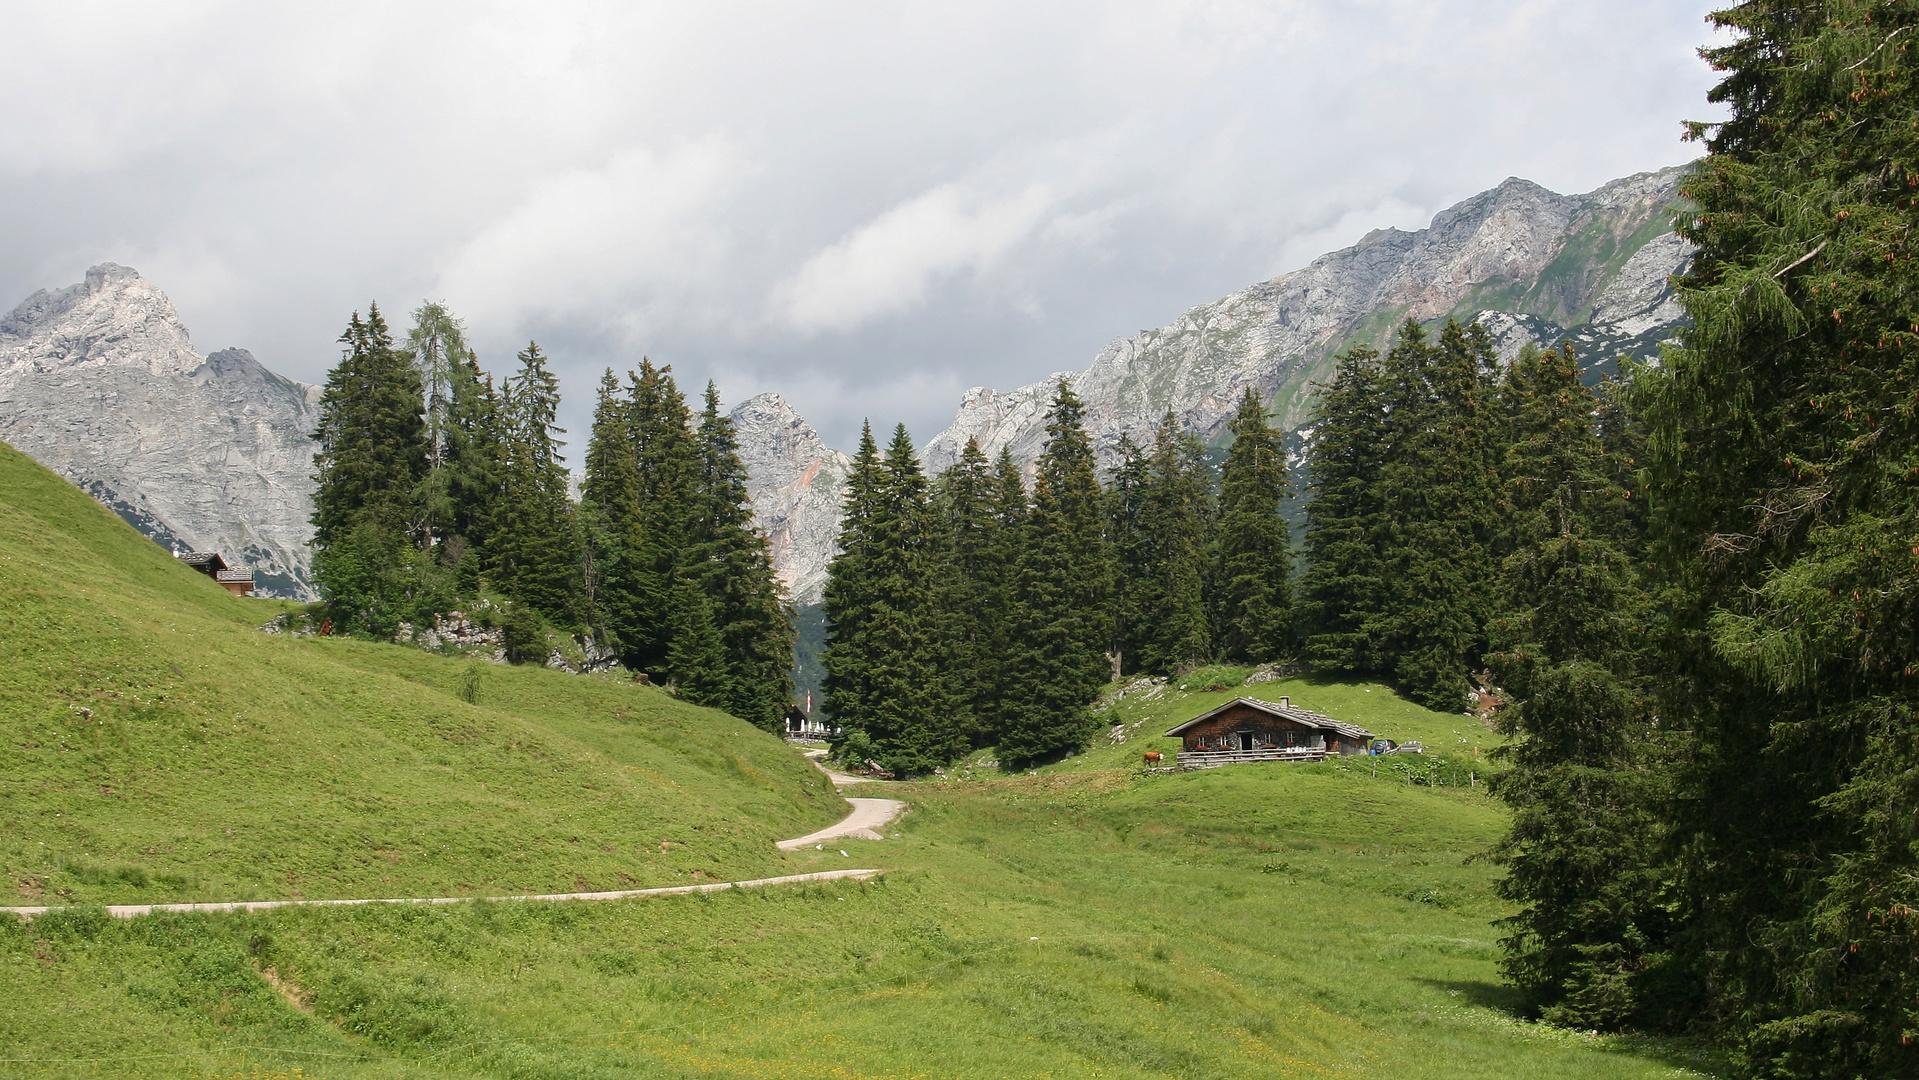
(1086, 920)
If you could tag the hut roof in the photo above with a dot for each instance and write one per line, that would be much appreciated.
(1287, 711)
(207, 562)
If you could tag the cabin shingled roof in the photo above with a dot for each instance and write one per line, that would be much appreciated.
(1291, 712)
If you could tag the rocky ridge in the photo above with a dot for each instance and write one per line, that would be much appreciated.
(1531, 264)
(795, 482)
(100, 382)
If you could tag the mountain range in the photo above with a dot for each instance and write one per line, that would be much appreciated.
(100, 380)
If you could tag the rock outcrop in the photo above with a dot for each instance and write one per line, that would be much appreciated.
(795, 482)
(100, 382)
(1531, 264)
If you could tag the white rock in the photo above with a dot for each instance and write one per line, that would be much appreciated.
(100, 382)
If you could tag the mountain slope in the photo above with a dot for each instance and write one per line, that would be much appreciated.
(100, 382)
(162, 748)
(1532, 264)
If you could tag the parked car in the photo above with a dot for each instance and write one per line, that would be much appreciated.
(1387, 746)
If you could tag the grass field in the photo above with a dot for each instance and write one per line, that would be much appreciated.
(159, 747)
(1086, 920)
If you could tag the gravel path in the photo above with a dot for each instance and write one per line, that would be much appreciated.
(128, 911)
(869, 816)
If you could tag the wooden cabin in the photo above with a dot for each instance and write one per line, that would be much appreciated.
(1245, 729)
(237, 580)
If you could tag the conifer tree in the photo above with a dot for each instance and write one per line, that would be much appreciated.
(437, 343)
(1010, 513)
(1176, 518)
(371, 458)
(1439, 489)
(1059, 662)
(849, 596)
(888, 655)
(1343, 586)
(533, 552)
(1587, 944)
(1782, 441)
(1130, 545)
(730, 559)
(641, 597)
(969, 595)
(1253, 597)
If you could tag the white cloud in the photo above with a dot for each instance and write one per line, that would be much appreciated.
(888, 264)
(602, 239)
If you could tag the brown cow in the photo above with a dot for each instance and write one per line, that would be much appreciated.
(1153, 757)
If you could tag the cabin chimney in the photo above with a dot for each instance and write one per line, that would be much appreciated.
(1285, 702)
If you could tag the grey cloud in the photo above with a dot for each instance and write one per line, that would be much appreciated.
(867, 207)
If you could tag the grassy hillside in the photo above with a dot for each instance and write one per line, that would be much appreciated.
(1088, 920)
(159, 747)
(1256, 921)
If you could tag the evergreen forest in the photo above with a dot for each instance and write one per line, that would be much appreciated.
(440, 492)
(1692, 589)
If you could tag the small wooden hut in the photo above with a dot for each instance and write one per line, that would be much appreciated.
(237, 580)
(1246, 729)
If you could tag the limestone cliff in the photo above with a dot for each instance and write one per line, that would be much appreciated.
(1531, 264)
(795, 482)
(100, 382)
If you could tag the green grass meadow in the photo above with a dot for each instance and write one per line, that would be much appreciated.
(1090, 919)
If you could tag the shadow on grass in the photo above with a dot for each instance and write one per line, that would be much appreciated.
(1508, 1000)
(1696, 1056)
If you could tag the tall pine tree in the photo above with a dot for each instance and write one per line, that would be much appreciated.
(1343, 588)
(1058, 662)
(1783, 447)
(532, 550)
(371, 459)
(1175, 522)
(1253, 600)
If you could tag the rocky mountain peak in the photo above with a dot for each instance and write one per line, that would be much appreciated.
(796, 484)
(115, 316)
(100, 382)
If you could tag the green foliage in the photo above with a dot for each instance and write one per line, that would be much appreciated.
(532, 550)
(1059, 616)
(1343, 587)
(883, 662)
(1253, 598)
(1175, 526)
(371, 459)
(1401, 530)
(1782, 446)
(970, 601)
(1590, 943)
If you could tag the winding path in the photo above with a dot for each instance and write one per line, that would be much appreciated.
(869, 816)
(128, 911)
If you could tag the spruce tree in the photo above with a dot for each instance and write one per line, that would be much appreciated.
(1130, 545)
(1058, 661)
(1176, 519)
(967, 594)
(849, 597)
(1782, 438)
(883, 661)
(1002, 596)
(1438, 493)
(371, 459)
(1253, 587)
(1343, 586)
(533, 551)
(730, 559)
(640, 594)
(438, 346)
(1588, 943)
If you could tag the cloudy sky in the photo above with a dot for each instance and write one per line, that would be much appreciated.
(865, 207)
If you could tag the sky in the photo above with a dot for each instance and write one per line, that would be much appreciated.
(865, 207)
